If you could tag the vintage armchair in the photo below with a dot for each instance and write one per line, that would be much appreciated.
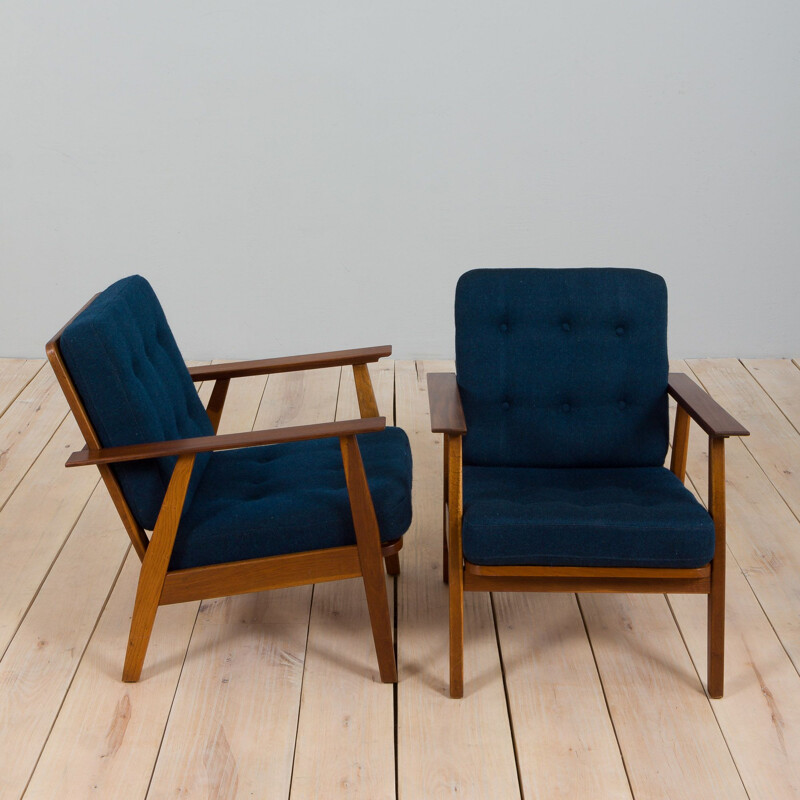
(233, 513)
(556, 430)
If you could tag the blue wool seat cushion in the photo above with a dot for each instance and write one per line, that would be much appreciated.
(288, 498)
(135, 387)
(594, 517)
(563, 367)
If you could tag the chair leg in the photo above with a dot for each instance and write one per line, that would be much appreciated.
(445, 487)
(144, 615)
(393, 564)
(154, 568)
(369, 555)
(716, 635)
(716, 597)
(455, 568)
(456, 631)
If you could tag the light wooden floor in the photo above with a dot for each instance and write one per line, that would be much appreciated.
(277, 695)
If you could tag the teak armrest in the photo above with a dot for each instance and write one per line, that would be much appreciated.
(702, 408)
(228, 441)
(447, 415)
(266, 366)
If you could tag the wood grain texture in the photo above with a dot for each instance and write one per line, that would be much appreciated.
(154, 567)
(26, 428)
(669, 737)
(761, 715)
(335, 358)
(38, 666)
(566, 747)
(261, 574)
(15, 375)
(780, 379)
(223, 736)
(447, 415)
(36, 521)
(367, 404)
(345, 733)
(107, 734)
(445, 747)
(763, 536)
(763, 496)
(225, 441)
(702, 408)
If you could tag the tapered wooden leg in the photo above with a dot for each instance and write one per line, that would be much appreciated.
(393, 564)
(446, 473)
(716, 598)
(154, 569)
(456, 571)
(369, 555)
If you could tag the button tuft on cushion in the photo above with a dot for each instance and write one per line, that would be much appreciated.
(620, 330)
(565, 326)
(622, 404)
(506, 404)
(565, 407)
(504, 327)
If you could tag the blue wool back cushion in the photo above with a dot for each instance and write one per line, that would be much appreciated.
(131, 377)
(563, 368)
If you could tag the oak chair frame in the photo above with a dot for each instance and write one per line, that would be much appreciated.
(447, 417)
(158, 585)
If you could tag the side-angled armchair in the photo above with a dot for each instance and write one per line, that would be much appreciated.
(232, 513)
(556, 431)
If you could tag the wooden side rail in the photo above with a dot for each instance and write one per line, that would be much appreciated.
(228, 441)
(268, 366)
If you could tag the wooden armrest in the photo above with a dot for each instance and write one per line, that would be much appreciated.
(265, 366)
(228, 441)
(702, 408)
(447, 415)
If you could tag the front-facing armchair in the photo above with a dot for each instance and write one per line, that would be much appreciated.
(556, 431)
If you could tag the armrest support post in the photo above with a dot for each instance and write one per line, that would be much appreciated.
(367, 405)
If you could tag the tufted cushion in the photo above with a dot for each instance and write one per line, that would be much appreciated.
(563, 367)
(636, 517)
(266, 501)
(135, 387)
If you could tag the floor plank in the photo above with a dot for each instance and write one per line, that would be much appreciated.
(566, 746)
(36, 521)
(15, 375)
(446, 748)
(62, 703)
(26, 427)
(107, 734)
(106, 737)
(358, 761)
(773, 441)
(38, 666)
(760, 713)
(763, 533)
(670, 739)
(780, 379)
(223, 739)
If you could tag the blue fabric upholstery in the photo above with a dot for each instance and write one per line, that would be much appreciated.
(630, 517)
(563, 367)
(129, 373)
(266, 501)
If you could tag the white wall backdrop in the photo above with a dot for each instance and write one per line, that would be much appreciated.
(303, 175)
